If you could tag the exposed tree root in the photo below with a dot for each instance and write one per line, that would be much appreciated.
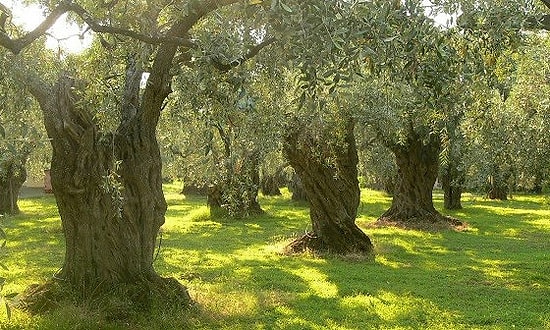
(311, 243)
(116, 303)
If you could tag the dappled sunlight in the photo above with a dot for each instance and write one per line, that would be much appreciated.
(406, 308)
(228, 304)
(496, 272)
(492, 275)
(383, 260)
(317, 282)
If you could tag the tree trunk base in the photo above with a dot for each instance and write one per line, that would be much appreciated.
(118, 303)
(309, 242)
(428, 221)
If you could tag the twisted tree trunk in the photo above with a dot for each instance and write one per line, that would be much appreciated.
(417, 169)
(332, 191)
(108, 189)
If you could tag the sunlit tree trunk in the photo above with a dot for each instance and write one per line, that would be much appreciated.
(108, 189)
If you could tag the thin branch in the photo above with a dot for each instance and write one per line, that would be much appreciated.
(546, 3)
(253, 51)
(539, 22)
(17, 45)
(98, 28)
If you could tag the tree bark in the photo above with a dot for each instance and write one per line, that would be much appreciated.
(417, 170)
(297, 189)
(12, 176)
(109, 195)
(451, 182)
(332, 190)
(270, 183)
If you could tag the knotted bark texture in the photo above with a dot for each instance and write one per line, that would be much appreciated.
(328, 173)
(417, 169)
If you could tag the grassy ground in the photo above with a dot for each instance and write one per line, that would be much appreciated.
(495, 275)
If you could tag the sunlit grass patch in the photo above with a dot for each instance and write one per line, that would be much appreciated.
(493, 276)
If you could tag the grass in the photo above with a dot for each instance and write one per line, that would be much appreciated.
(494, 275)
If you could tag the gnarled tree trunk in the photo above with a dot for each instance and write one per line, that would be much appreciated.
(417, 170)
(332, 191)
(108, 189)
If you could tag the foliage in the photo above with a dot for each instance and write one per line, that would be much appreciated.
(493, 138)
(505, 133)
(376, 166)
(22, 135)
(529, 99)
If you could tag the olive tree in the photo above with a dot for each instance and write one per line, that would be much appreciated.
(20, 133)
(108, 183)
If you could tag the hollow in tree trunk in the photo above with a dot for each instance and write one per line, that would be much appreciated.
(417, 169)
(332, 191)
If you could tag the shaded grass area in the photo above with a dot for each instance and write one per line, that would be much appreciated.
(494, 275)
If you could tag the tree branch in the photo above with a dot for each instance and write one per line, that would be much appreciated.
(540, 22)
(98, 28)
(546, 3)
(158, 85)
(253, 51)
(17, 45)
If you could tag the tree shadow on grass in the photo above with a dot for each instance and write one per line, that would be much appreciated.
(486, 276)
(495, 274)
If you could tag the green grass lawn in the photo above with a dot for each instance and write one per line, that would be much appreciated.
(494, 275)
